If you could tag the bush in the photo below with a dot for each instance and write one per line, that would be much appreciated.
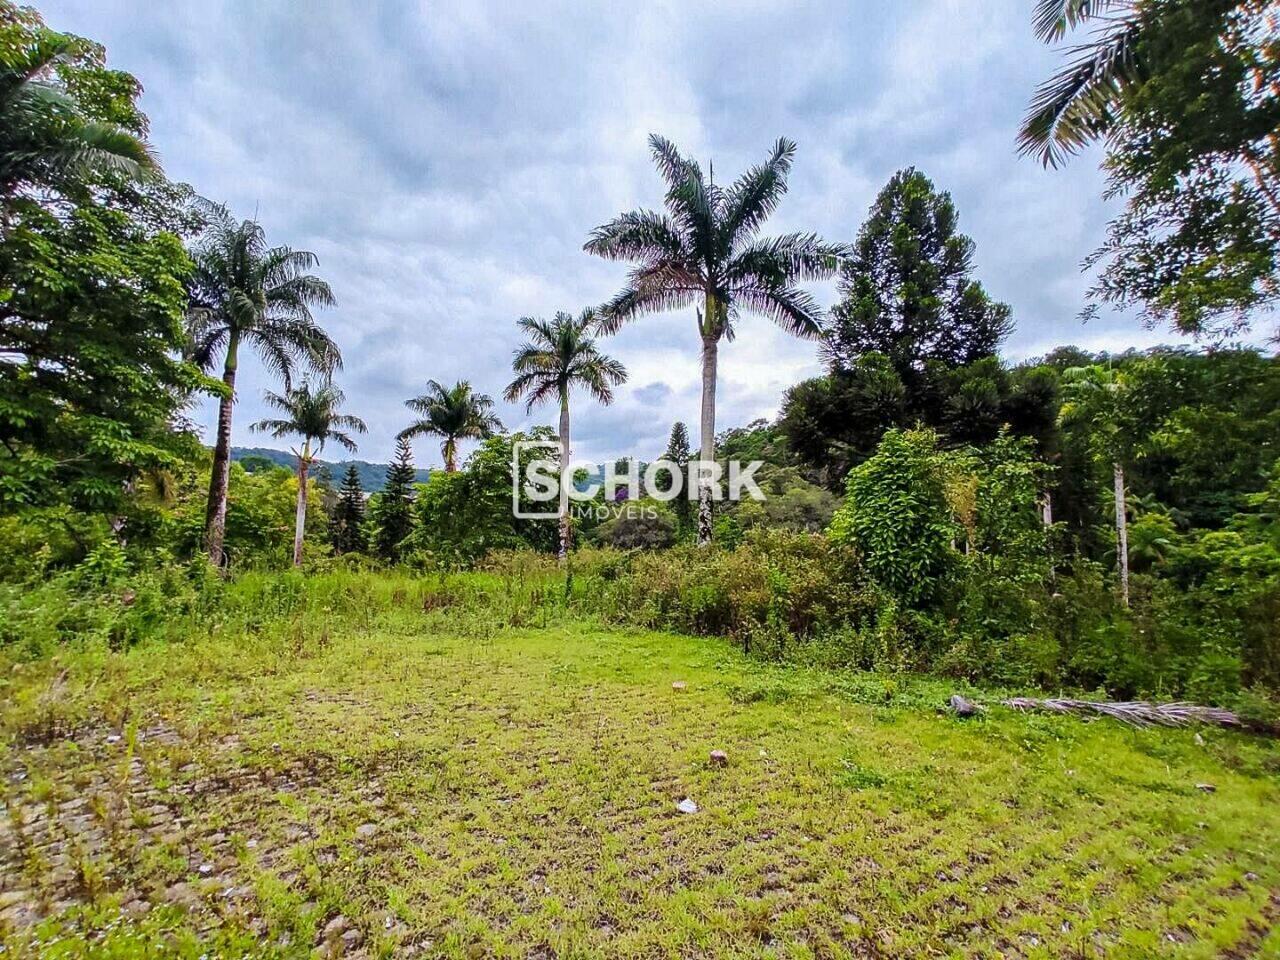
(638, 524)
(897, 515)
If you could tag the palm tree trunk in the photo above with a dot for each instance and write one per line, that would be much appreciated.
(450, 451)
(216, 515)
(707, 451)
(565, 480)
(1122, 531)
(300, 521)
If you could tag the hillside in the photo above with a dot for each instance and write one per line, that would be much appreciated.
(372, 475)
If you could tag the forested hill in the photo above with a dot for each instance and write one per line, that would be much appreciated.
(372, 475)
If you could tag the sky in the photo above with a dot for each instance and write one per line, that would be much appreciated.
(446, 161)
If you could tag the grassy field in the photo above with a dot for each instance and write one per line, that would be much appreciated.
(416, 785)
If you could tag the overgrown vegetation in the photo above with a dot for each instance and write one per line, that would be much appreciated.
(457, 765)
(432, 701)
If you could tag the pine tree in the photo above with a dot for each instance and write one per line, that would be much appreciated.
(347, 524)
(908, 291)
(393, 518)
(678, 453)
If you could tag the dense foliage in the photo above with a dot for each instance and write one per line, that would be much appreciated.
(1087, 521)
(92, 274)
(1186, 95)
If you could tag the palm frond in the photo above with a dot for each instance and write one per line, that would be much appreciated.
(343, 440)
(104, 147)
(755, 195)
(277, 428)
(635, 301)
(562, 354)
(538, 329)
(600, 376)
(667, 158)
(640, 234)
(1077, 105)
(789, 307)
(779, 260)
(1053, 18)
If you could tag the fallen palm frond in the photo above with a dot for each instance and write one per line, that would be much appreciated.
(1135, 713)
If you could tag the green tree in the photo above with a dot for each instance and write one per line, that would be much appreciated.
(834, 422)
(1184, 95)
(557, 357)
(91, 380)
(907, 292)
(91, 281)
(244, 292)
(347, 524)
(452, 413)
(706, 249)
(393, 511)
(463, 515)
(639, 524)
(65, 119)
(677, 452)
(1099, 397)
(310, 411)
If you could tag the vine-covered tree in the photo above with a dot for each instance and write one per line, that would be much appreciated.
(557, 357)
(706, 250)
(1185, 95)
(451, 413)
(393, 511)
(908, 290)
(346, 527)
(244, 292)
(311, 412)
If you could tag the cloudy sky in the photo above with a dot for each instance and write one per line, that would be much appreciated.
(447, 160)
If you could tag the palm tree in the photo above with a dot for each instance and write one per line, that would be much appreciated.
(1078, 105)
(310, 412)
(45, 138)
(557, 357)
(244, 292)
(706, 249)
(1095, 397)
(454, 413)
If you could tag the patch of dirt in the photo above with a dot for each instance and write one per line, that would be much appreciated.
(148, 826)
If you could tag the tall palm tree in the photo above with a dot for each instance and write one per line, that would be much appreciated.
(1079, 104)
(310, 412)
(45, 138)
(706, 249)
(557, 357)
(454, 413)
(246, 293)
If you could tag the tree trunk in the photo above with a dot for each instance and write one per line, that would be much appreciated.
(707, 450)
(1122, 532)
(565, 479)
(450, 451)
(216, 515)
(1046, 509)
(300, 523)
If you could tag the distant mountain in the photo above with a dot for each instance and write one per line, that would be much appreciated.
(372, 475)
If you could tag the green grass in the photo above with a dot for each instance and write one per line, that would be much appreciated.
(449, 784)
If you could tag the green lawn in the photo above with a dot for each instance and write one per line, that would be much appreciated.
(419, 789)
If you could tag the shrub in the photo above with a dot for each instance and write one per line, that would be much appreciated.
(638, 524)
(897, 515)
